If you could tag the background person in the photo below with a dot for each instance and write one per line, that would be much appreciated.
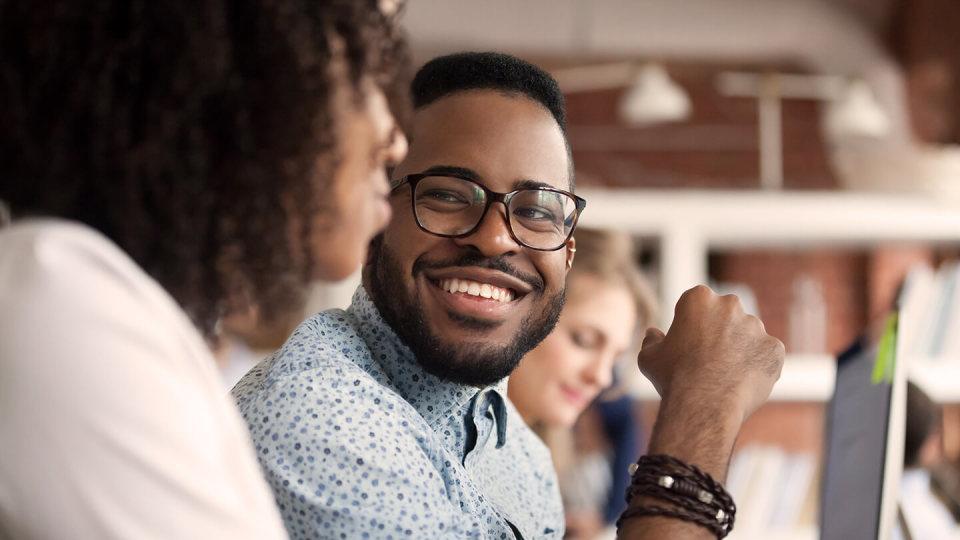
(162, 160)
(607, 301)
(924, 509)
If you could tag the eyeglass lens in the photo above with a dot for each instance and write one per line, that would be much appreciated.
(452, 206)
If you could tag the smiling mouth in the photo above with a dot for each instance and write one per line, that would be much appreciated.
(476, 289)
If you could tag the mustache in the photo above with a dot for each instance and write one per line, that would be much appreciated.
(478, 260)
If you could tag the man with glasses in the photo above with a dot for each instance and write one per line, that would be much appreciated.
(390, 419)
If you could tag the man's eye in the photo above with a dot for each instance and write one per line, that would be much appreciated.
(535, 213)
(439, 195)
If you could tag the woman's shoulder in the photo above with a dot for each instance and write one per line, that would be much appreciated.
(113, 386)
(39, 251)
(59, 278)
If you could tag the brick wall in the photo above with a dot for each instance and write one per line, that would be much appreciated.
(842, 276)
(718, 148)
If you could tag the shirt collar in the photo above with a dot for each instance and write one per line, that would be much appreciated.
(439, 401)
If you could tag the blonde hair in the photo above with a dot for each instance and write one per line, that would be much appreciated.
(611, 257)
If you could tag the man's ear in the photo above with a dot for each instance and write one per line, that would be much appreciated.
(373, 249)
(373, 252)
(571, 252)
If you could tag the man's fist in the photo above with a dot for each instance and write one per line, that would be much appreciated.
(713, 353)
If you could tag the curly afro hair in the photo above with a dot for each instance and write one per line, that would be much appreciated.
(198, 135)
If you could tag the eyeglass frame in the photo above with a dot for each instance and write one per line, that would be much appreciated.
(492, 197)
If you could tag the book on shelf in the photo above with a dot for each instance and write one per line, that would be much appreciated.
(796, 478)
(932, 297)
(772, 489)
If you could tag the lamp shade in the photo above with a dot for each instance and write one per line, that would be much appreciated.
(654, 98)
(857, 113)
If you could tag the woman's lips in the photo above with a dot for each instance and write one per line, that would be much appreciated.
(575, 397)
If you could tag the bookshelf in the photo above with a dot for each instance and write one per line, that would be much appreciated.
(689, 224)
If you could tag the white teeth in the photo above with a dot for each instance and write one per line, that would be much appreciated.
(473, 288)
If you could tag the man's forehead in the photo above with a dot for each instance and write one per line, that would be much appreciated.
(470, 174)
(504, 137)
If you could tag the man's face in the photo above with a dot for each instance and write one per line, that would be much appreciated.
(504, 142)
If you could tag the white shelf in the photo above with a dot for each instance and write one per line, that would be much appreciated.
(804, 378)
(812, 378)
(752, 218)
(938, 377)
(800, 533)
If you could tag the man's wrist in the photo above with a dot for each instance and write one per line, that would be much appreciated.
(699, 429)
(664, 486)
(685, 397)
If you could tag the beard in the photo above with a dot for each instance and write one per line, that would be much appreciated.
(470, 364)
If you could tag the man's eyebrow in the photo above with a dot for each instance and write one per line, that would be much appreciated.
(532, 184)
(452, 170)
(472, 175)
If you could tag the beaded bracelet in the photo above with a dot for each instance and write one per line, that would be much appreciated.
(694, 495)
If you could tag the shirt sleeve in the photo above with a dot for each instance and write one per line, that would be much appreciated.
(342, 465)
(112, 422)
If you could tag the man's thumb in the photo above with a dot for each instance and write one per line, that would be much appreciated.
(652, 337)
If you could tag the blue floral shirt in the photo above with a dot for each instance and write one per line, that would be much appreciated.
(358, 441)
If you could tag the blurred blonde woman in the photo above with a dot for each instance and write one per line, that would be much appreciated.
(608, 301)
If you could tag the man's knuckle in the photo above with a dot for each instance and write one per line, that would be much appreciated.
(730, 299)
(699, 291)
(730, 304)
(779, 348)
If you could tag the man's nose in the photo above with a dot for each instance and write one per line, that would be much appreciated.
(492, 237)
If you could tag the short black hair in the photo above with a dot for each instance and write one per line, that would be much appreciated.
(464, 71)
(461, 72)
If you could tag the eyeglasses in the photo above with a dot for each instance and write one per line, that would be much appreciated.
(539, 218)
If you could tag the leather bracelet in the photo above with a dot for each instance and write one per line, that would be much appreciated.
(694, 495)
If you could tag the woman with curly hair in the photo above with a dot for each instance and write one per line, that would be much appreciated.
(161, 160)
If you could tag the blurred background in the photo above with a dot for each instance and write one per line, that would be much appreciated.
(802, 154)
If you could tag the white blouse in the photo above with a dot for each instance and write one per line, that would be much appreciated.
(113, 419)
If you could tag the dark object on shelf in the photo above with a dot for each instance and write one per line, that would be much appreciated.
(945, 481)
